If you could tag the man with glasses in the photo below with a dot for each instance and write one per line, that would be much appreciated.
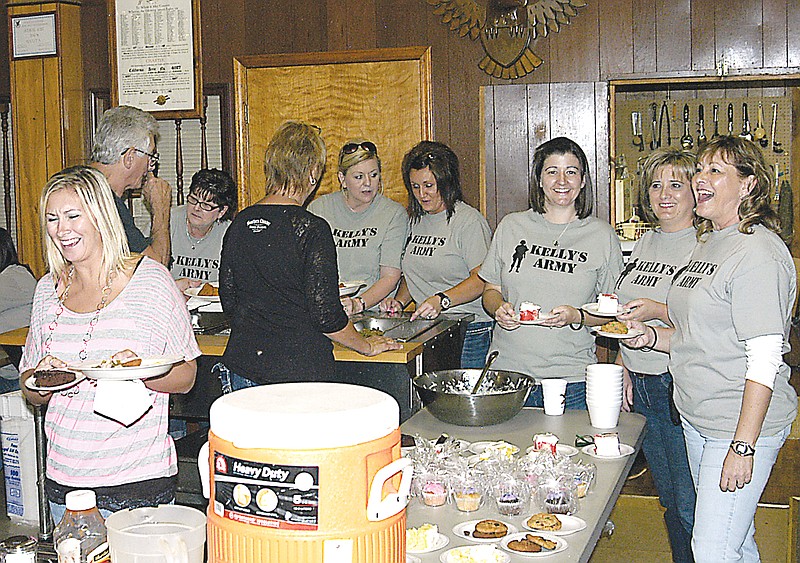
(125, 152)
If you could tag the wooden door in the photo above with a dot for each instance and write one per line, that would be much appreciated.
(520, 117)
(383, 95)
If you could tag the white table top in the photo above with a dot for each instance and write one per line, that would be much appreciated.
(595, 508)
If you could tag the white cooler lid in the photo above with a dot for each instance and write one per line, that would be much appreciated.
(303, 416)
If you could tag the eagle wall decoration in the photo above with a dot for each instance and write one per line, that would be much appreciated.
(506, 29)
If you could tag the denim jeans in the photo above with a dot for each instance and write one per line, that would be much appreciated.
(575, 398)
(476, 344)
(724, 522)
(665, 451)
(57, 511)
(231, 381)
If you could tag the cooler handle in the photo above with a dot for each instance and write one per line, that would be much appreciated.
(381, 509)
(202, 468)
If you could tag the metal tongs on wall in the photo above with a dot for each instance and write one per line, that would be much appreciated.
(662, 117)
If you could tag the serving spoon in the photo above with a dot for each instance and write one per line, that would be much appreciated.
(486, 366)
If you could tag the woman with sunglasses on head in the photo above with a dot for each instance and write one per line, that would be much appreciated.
(731, 308)
(445, 249)
(369, 229)
(665, 200)
(559, 257)
(278, 279)
(197, 228)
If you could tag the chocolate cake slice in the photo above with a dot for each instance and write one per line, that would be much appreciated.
(53, 377)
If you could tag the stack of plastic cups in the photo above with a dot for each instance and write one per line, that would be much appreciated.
(604, 394)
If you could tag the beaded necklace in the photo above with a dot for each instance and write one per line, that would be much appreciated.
(105, 292)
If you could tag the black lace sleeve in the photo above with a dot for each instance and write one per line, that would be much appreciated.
(321, 279)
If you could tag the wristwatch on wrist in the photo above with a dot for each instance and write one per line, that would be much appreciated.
(742, 448)
(445, 301)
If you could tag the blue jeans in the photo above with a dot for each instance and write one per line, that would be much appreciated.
(665, 451)
(57, 511)
(574, 399)
(724, 522)
(476, 344)
(231, 381)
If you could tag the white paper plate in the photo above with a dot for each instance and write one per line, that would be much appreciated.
(592, 308)
(413, 559)
(439, 541)
(151, 367)
(464, 531)
(195, 291)
(625, 450)
(561, 544)
(480, 447)
(542, 318)
(561, 449)
(504, 557)
(632, 333)
(346, 289)
(569, 525)
(30, 383)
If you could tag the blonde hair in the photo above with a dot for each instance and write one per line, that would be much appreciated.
(97, 200)
(347, 161)
(683, 164)
(295, 153)
(747, 158)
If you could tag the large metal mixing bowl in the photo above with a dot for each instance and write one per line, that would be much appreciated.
(501, 396)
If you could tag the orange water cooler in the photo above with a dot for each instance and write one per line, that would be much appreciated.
(305, 473)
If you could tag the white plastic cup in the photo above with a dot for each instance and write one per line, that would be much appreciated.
(604, 372)
(554, 392)
(604, 415)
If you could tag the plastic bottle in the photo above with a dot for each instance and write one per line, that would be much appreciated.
(80, 537)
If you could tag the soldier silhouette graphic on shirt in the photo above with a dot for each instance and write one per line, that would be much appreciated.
(519, 254)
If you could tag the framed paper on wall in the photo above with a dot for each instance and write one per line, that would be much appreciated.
(155, 56)
(34, 35)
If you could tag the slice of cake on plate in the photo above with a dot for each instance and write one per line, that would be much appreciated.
(607, 444)
(607, 303)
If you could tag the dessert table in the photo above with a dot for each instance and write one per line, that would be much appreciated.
(594, 508)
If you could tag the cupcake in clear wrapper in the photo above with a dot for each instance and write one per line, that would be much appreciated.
(512, 497)
(467, 492)
(584, 478)
(432, 489)
(558, 497)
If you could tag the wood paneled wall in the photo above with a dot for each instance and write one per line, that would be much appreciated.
(609, 39)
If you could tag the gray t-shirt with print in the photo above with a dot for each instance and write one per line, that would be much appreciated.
(549, 264)
(441, 253)
(191, 258)
(737, 286)
(655, 260)
(365, 240)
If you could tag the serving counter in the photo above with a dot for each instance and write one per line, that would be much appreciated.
(595, 508)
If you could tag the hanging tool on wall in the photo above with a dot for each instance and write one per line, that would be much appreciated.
(745, 134)
(760, 134)
(636, 123)
(654, 144)
(716, 122)
(776, 146)
(776, 170)
(786, 209)
(730, 119)
(686, 141)
(701, 122)
(662, 117)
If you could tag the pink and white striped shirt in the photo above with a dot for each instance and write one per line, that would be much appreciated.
(85, 449)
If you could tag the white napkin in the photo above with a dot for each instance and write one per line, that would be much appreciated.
(211, 308)
(195, 302)
(123, 401)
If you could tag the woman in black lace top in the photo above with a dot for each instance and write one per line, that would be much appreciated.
(278, 277)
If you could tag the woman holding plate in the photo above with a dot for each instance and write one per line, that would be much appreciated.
(369, 229)
(559, 257)
(99, 302)
(731, 310)
(665, 199)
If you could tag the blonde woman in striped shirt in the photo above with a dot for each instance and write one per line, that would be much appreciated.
(99, 301)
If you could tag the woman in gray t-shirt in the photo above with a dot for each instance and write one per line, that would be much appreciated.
(559, 257)
(731, 309)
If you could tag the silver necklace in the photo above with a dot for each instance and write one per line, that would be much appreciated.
(558, 238)
(193, 242)
(105, 292)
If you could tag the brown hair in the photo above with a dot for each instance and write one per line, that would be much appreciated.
(747, 158)
(294, 155)
(561, 145)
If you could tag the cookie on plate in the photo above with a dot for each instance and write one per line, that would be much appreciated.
(524, 545)
(545, 522)
(486, 529)
(539, 540)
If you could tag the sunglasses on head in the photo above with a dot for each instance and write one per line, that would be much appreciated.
(423, 161)
(367, 146)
